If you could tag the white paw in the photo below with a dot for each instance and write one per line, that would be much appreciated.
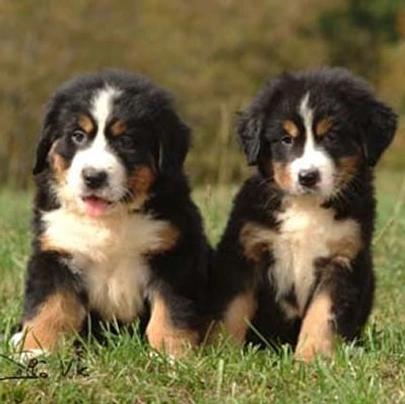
(27, 356)
(24, 356)
(16, 339)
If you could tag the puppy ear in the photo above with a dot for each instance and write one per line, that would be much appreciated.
(378, 130)
(172, 146)
(249, 128)
(251, 123)
(41, 160)
(48, 137)
(376, 121)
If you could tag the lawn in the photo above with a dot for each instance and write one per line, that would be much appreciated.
(127, 371)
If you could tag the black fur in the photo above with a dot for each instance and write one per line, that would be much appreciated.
(155, 137)
(360, 123)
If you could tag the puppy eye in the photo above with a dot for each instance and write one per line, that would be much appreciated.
(287, 140)
(79, 137)
(332, 137)
(126, 142)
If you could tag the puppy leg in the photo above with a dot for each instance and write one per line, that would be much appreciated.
(317, 331)
(238, 315)
(340, 306)
(163, 334)
(54, 302)
(60, 314)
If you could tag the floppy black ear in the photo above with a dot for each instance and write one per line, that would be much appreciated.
(48, 136)
(376, 121)
(377, 130)
(249, 128)
(173, 145)
(43, 148)
(251, 123)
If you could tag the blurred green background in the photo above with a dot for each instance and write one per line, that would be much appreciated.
(213, 55)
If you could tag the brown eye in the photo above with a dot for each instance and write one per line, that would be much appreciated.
(332, 137)
(287, 140)
(126, 141)
(78, 137)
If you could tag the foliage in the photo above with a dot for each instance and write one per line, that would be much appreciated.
(213, 55)
(356, 31)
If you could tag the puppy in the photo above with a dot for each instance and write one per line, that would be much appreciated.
(115, 230)
(295, 259)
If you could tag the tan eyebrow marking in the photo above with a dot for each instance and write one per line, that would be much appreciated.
(118, 127)
(86, 123)
(323, 126)
(291, 128)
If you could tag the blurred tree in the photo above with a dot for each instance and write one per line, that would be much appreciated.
(356, 31)
(213, 55)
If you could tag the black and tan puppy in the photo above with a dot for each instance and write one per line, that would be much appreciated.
(115, 230)
(295, 259)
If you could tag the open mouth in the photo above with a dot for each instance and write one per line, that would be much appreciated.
(96, 206)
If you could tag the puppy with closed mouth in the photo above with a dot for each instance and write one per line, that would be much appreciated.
(295, 260)
(116, 235)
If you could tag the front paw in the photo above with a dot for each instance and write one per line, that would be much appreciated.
(175, 345)
(24, 355)
(317, 330)
(312, 346)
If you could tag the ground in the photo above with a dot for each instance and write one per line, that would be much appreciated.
(127, 371)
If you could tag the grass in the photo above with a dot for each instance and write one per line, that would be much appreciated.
(127, 371)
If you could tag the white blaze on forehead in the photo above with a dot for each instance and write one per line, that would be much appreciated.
(102, 105)
(310, 157)
(313, 157)
(307, 115)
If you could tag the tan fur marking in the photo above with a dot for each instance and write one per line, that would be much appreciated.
(255, 240)
(282, 176)
(58, 164)
(347, 168)
(291, 128)
(168, 239)
(60, 315)
(141, 180)
(238, 316)
(48, 245)
(86, 123)
(323, 126)
(317, 331)
(118, 128)
(164, 336)
(346, 249)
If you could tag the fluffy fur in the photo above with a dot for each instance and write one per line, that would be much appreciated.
(116, 235)
(295, 259)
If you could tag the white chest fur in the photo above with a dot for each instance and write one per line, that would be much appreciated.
(109, 253)
(307, 232)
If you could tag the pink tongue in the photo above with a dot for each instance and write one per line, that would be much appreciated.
(95, 206)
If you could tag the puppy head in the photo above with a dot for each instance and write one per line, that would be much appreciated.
(107, 138)
(311, 132)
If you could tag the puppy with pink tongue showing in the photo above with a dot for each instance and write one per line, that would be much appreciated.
(116, 234)
(95, 206)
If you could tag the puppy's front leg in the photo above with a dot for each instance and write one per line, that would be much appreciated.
(59, 315)
(335, 309)
(317, 330)
(53, 307)
(162, 332)
(238, 316)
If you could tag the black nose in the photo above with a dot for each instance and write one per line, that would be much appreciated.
(94, 178)
(308, 178)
